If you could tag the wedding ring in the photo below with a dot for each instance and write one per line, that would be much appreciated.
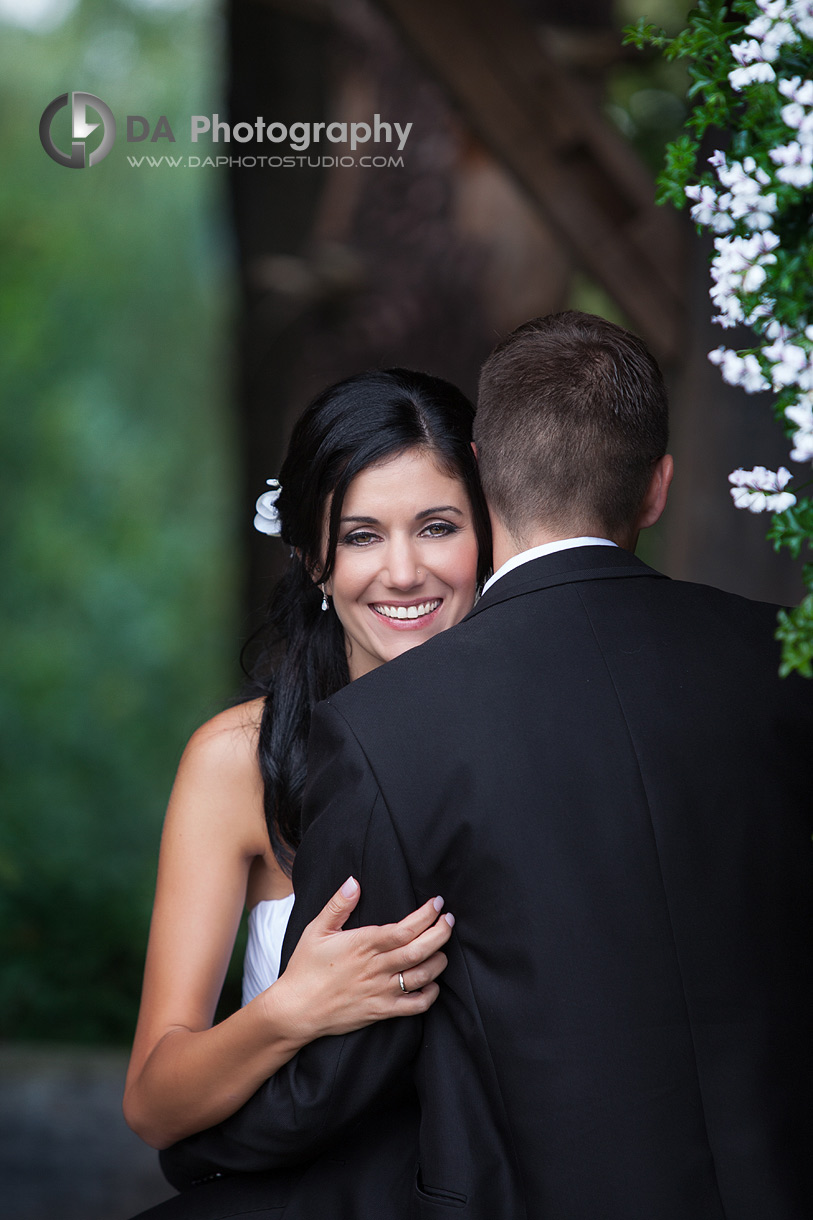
(401, 983)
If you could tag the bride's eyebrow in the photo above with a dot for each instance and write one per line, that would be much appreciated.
(427, 512)
(433, 512)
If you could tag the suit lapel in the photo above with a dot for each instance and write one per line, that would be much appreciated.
(572, 566)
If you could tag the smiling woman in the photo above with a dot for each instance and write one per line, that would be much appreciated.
(356, 453)
(404, 569)
(381, 505)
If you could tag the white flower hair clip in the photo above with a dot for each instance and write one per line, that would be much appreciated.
(267, 520)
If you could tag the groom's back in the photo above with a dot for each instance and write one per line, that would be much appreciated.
(602, 774)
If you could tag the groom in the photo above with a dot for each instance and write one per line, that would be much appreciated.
(601, 772)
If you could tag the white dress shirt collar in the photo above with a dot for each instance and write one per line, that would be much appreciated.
(547, 548)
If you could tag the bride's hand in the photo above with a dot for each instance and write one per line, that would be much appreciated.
(338, 981)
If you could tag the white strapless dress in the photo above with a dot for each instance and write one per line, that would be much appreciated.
(267, 922)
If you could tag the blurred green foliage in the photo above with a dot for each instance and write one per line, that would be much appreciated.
(647, 93)
(117, 481)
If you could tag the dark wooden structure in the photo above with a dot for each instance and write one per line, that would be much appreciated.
(543, 126)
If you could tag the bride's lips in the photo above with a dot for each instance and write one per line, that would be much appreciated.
(393, 618)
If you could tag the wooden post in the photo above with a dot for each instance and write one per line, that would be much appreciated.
(580, 171)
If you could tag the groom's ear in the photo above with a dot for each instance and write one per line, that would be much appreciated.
(657, 493)
(474, 449)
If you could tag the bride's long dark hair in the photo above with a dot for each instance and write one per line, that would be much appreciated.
(299, 652)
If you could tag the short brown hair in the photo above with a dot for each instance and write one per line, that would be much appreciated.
(572, 414)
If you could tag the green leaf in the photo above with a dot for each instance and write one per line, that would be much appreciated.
(793, 529)
(644, 34)
(681, 156)
(795, 632)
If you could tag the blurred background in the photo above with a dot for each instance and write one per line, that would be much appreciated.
(161, 327)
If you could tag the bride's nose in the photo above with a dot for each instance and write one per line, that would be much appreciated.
(402, 571)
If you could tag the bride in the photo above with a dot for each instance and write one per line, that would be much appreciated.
(381, 506)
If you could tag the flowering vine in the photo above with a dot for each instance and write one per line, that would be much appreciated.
(750, 64)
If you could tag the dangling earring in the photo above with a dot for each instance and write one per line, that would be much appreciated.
(324, 598)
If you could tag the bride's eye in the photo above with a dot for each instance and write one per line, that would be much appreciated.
(359, 538)
(439, 529)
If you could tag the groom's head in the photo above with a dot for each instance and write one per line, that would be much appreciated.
(571, 431)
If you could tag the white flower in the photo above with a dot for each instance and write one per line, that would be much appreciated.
(741, 251)
(801, 414)
(796, 161)
(725, 299)
(751, 378)
(774, 10)
(722, 222)
(755, 73)
(761, 489)
(790, 364)
(729, 310)
(793, 115)
(710, 210)
(801, 175)
(762, 478)
(802, 450)
(746, 52)
(763, 309)
(773, 29)
(267, 520)
(739, 267)
(737, 176)
(744, 202)
(780, 33)
(797, 91)
(802, 15)
(800, 119)
(752, 52)
(754, 278)
(706, 204)
(757, 211)
(740, 370)
(758, 28)
(730, 364)
(757, 501)
(750, 166)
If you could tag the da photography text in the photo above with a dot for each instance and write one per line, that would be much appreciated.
(84, 142)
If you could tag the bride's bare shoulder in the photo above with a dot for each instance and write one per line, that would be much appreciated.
(217, 804)
(221, 756)
(234, 730)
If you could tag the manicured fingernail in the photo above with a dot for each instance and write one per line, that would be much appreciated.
(350, 887)
(438, 903)
(449, 919)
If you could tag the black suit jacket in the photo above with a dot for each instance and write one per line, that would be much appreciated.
(601, 772)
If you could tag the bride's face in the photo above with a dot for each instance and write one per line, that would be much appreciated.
(406, 560)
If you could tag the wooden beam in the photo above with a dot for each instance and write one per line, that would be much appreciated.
(574, 164)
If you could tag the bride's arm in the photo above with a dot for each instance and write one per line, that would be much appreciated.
(185, 1074)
